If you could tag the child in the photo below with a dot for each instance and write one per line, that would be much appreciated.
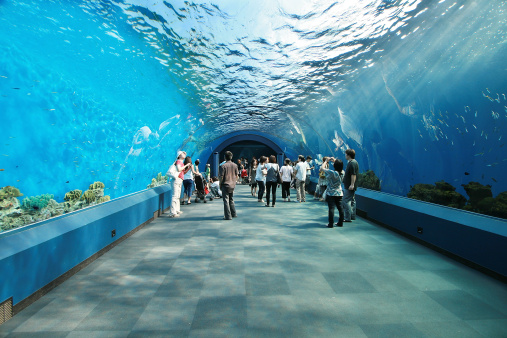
(215, 187)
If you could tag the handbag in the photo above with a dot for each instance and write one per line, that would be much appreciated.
(278, 177)
(173, 172)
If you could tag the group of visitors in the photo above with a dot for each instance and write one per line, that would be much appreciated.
(265, 176)
(269, 175)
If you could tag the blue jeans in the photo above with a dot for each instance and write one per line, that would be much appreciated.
(187, 187)
(349, 204)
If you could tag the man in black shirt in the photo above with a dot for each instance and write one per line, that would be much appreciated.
(349, 183)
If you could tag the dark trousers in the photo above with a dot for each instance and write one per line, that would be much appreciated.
(333, 201)
(285, 189)
(262, 188)
(188, 184)
(271, 187)
(229, 207)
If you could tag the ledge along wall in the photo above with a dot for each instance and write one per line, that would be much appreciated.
(473, 239)
(36, 258)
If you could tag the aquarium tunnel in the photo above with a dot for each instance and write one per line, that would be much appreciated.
(97, 97)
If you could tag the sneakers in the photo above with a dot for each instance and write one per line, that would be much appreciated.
(174, 215)
(288, 199)
(179, 212)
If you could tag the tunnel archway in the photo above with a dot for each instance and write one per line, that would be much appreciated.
(263, 143)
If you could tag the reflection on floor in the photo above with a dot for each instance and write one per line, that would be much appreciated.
(270, 272)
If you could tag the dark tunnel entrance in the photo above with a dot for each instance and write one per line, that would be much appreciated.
(247, 149)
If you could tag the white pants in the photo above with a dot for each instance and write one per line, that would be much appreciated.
(175, 200)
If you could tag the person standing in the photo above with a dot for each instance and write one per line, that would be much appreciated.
(188, 180)
(260, 177)
(271, 179)
(174, 210)
(308, 173)
(349, 182)
(251, 175)
(228, 176)
(300, 172)
(286, 171)
(322, 180)
(334, 192)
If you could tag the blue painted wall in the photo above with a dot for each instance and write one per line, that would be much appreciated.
(473, 237)
(33, 256)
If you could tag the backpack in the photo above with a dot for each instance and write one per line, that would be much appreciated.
(173, 172)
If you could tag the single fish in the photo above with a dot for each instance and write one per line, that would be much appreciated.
(494, 179)
(2, 169)
(467, 173)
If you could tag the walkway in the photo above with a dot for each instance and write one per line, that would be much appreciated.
(270, 272)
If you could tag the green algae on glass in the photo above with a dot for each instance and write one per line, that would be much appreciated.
(368, 180)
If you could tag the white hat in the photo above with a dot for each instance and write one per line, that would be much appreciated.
(180, 153)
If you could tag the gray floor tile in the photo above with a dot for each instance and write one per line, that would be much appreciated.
(220, 312)
(392, 330)
(426, 280)
(115, 313)
(152, 267)
(308, 284)
(181, 286)
(266, 284)
(159, 333)
(453, 329)
(222, 285)
(167, 313)
(387, 281)
(51, 318)
(464, 305)
(98, 334)
(348, 282)
(490, 327)
(137, 286)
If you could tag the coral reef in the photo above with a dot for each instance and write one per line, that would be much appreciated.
(476, 193)
(368, 180)
(157, 181)
(441, 193)
(9, 192)
(73, 195)
(38, 208)
(36, 203)
(96, 185)
(89, 196)
(103, 199)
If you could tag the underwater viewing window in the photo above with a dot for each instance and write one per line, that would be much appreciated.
(98, 97)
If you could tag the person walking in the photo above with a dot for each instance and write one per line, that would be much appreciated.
(286, 171)
(228, 176)
(271, 179)
(174, 210)
(300, 172)
(349, 182)
(334, 194)
(251, 176)
(260, 177)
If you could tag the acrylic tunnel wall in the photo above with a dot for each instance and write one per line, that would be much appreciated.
(97, 97)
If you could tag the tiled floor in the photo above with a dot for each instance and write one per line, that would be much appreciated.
(271, 272)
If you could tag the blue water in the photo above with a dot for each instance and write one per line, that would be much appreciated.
(110, 90)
